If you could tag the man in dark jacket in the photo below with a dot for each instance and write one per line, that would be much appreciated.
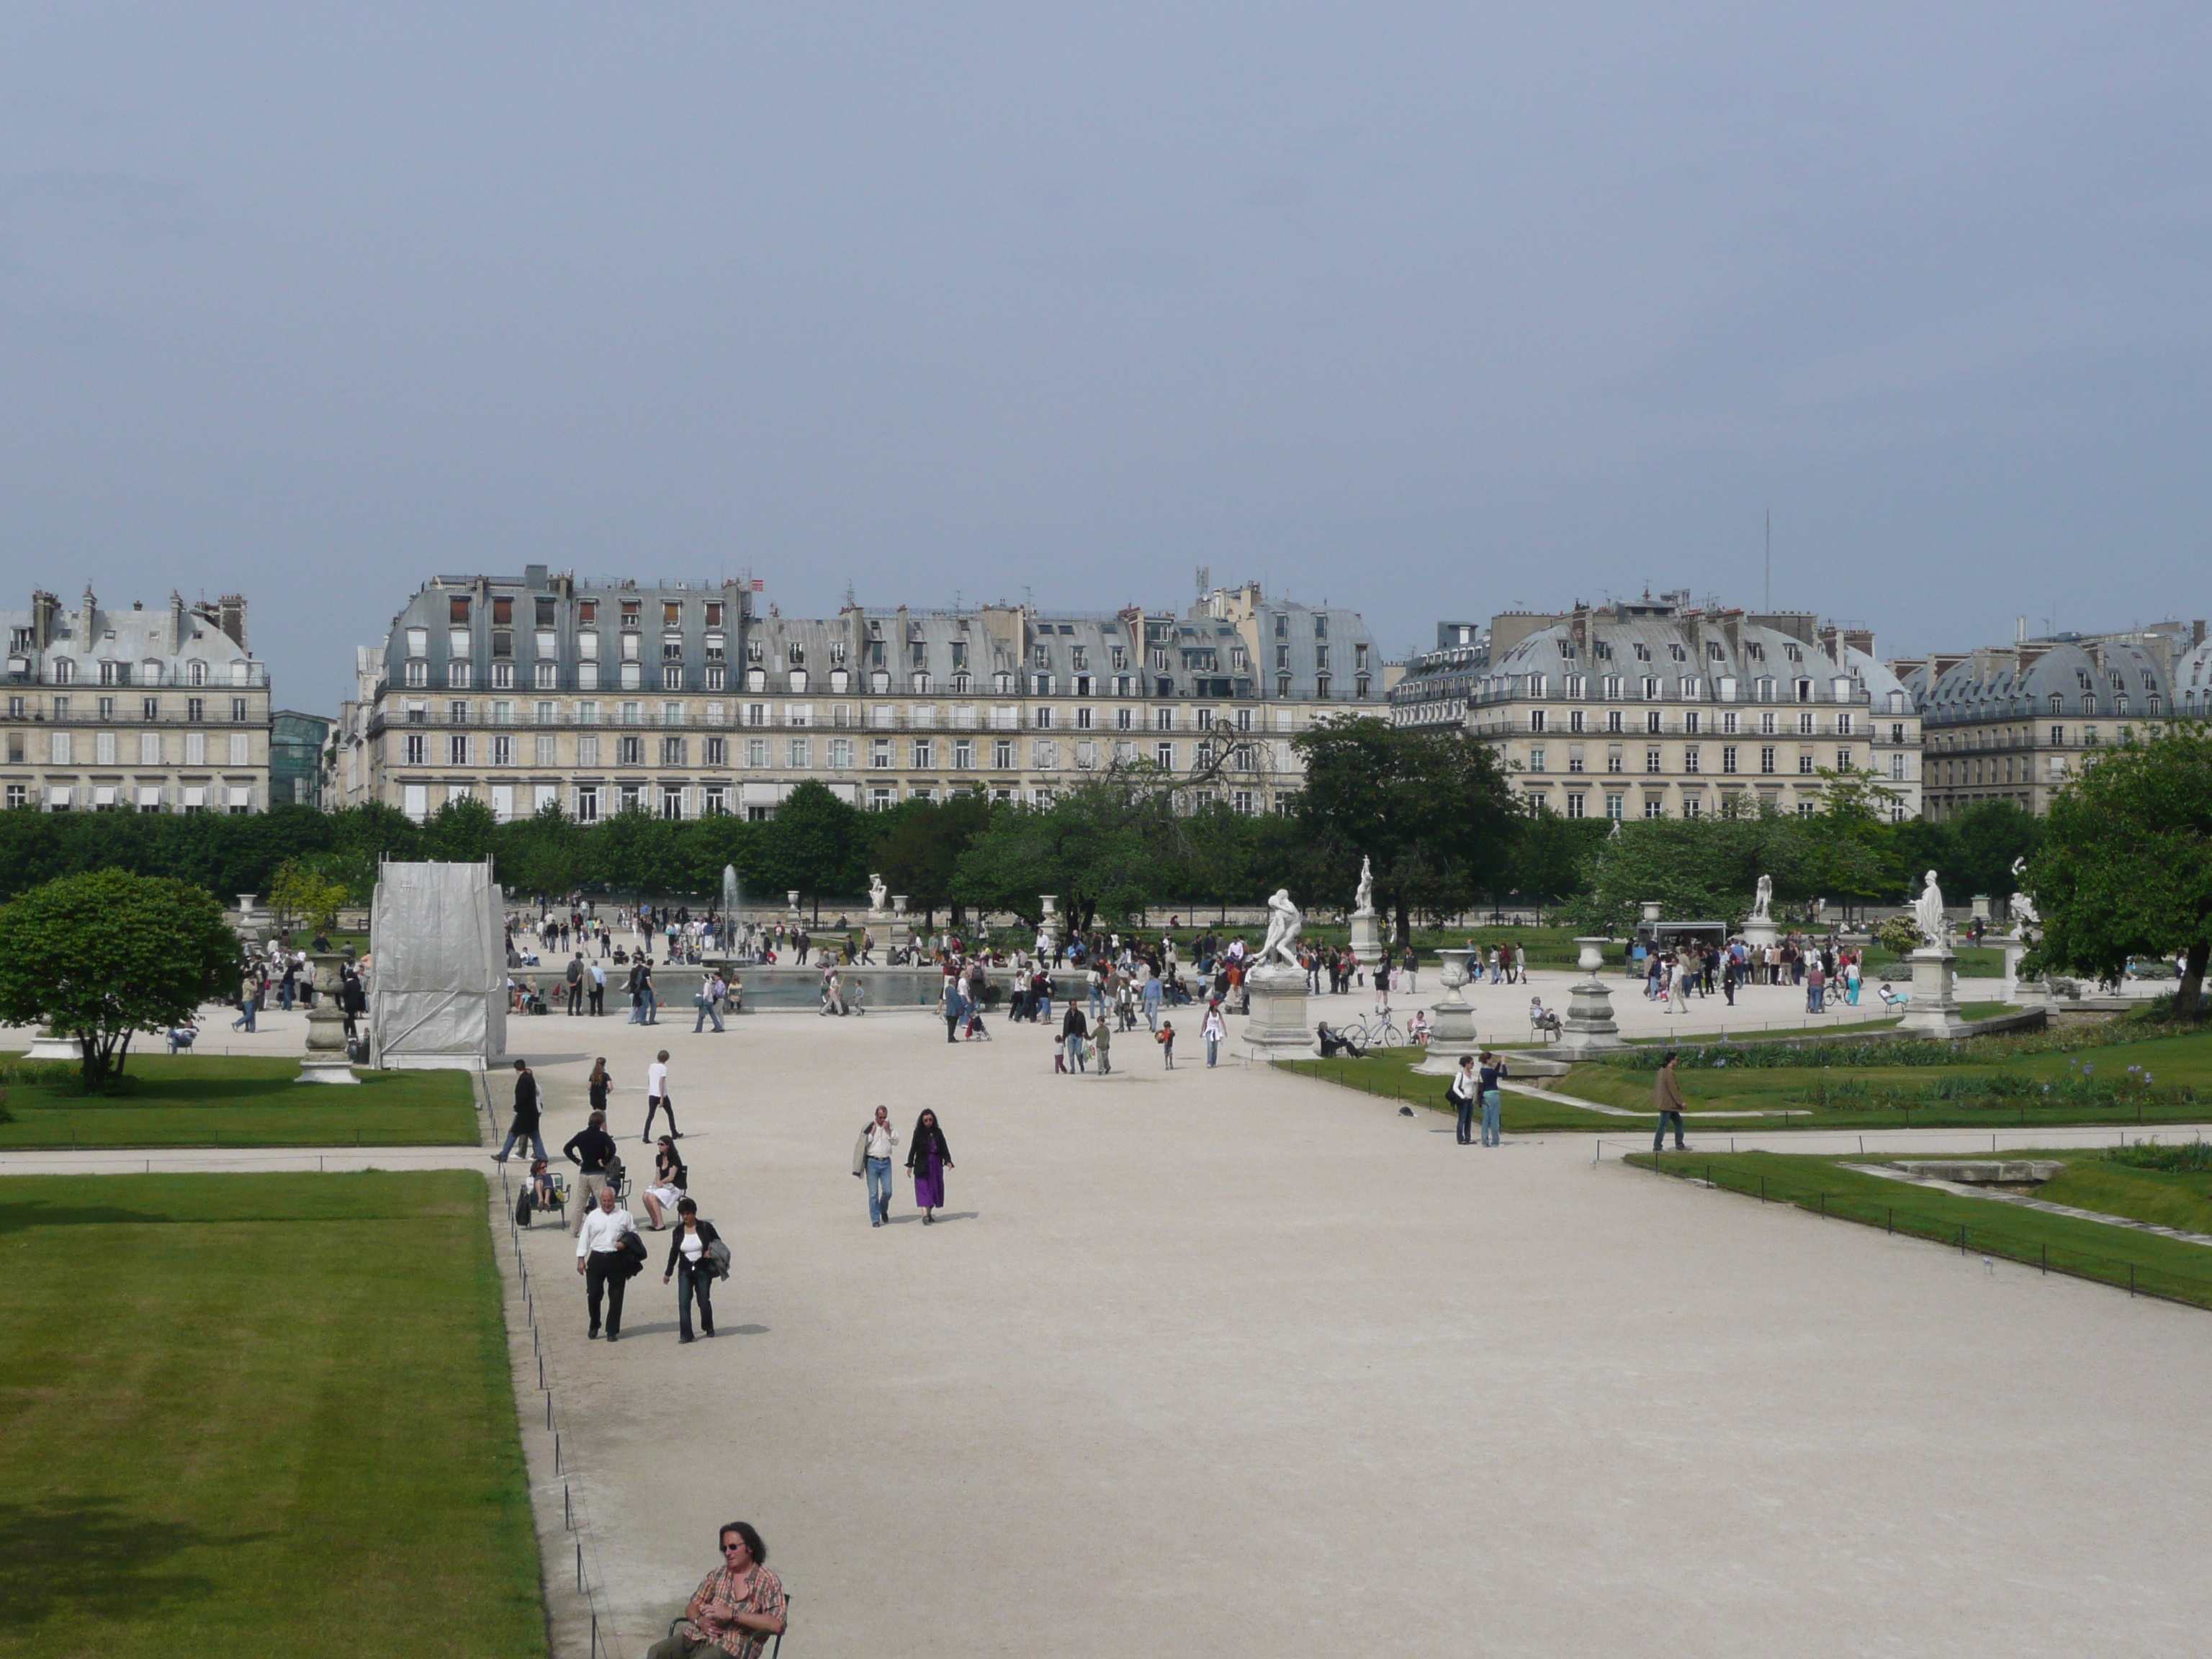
(524, 1125)
(591, 1149)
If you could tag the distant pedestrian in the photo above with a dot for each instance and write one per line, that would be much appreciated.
(872, 1156)
(709, 1002)
(599, 986)
(926, 1161)
(1073, 1029)
(592, 1150)
(249, 1002)
(523, 1124)
(1493, 1098)
(690, 1254)
(1666, 1096)
(657, 1098)
(1462, 1091)
(605, 1261)
(1102, 1041)
(1213, 1030)
(1166, 1039)
(648, 1004)
(601, 1083)
(736, 1608)
(574, 979)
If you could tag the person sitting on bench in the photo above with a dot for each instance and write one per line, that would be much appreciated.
(1541, 1018)
(1331, 1042)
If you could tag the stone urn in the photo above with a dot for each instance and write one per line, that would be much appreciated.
(1650, 908)
(1590, 955)
(1451, 1019)
(326, 1060)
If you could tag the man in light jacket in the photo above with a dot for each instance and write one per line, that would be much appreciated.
(872, 1156)
(1667, 1096)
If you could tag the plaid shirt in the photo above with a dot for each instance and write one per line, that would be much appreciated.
(723, 1593)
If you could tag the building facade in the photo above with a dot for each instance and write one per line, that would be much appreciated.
(2013, 723)
(135, 710)
(1661, 708)
(681, 700)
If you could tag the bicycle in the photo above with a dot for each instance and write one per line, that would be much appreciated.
(1378, 1031)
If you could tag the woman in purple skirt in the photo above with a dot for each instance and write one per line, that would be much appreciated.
(927, 1159)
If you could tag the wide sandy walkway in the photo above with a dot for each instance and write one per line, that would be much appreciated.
(1237, 1363)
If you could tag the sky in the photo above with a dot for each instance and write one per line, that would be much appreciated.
(1428, 310)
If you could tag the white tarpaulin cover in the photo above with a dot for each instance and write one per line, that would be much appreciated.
(437, 986)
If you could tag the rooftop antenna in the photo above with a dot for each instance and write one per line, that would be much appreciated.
(1768, 605)
(1204, 579)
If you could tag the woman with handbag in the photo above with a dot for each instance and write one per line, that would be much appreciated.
(928, 1159)
(670, 1178)
(696, 1258)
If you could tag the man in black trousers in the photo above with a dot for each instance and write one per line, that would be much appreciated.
(605, 1265)
(524, 1125)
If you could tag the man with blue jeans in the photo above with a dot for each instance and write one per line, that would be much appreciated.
(709, 1003)
(872, 1156)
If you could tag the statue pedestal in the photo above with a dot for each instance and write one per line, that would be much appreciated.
(1367, 938)
(1934, 1010)
(1761, 932)
(1276, 1025)
(1589, 1027)
(49, 1045)
(1451, 1021)
(326, 1060)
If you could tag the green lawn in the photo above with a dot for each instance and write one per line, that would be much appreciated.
(255, 1415)
(2089, 1249)
(2004, 1091)
(235, 1100)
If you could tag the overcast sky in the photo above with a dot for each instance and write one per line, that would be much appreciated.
(1430, 310)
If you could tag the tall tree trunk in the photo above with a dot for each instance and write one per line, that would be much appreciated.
(1404, 924)
(2189, 996)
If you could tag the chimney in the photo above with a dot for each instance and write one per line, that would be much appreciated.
(177, 618)
(45, 610)
(2019, 630)
(231, 613)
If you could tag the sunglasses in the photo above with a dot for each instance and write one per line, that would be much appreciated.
(727, 1548)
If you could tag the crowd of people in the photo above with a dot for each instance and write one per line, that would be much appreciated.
(1673, 974)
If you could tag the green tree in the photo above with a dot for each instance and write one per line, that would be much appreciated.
(102, 956)
(459, 832)
(541, 853)
(2125, 867)
(1432, 809)
(1103, 847)
(1552, 856)
(1697, 869)
(917, 845)
(816, 843)
(303, 891)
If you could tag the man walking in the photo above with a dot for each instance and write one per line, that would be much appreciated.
(872, 1156)
(591, 1149)
(1666, 1096)
(1462, 1091)
(599, 1259)
(576, 978)
(709, 1001)
(523, 1124)
(598, 989)
(657, 1098)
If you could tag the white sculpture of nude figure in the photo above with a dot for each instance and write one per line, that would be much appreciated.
(1284, 923)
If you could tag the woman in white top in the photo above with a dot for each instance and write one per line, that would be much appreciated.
(1213, 1030)
(666, 1192)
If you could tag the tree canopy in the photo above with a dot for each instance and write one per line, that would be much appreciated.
(102, 956)
(1431, 808)
(2125, 867)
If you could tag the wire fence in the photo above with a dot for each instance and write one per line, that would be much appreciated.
(2164, 1281)
(575, 1515)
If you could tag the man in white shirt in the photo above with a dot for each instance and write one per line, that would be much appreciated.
(599, 1259)
(872, 1156)
(657, 1098)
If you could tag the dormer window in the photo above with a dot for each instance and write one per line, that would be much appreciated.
(1644, 654)
(1678, 653)
(1793, 654)
(797, 655)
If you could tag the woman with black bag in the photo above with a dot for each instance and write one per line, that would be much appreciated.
(695, 1263)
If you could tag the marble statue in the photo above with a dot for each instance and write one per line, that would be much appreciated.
(1363, 902)
(1762, 906)
(1928, 910)
(878, 892)
(2023, 907)
(1284, 923)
